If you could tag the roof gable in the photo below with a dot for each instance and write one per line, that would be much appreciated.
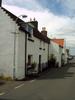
(60, 42)
(20, 22)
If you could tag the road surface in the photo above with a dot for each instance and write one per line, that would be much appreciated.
(55, 84)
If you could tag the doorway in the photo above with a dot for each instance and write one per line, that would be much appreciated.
(39, 68)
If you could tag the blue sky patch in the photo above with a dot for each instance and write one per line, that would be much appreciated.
(54, 6)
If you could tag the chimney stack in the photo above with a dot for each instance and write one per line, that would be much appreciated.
(44, 32)
(0, 3)
(34, 23)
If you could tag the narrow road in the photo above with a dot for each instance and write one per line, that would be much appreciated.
(55, 84)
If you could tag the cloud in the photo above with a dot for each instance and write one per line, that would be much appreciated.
(57, 26)
(45, 18)
(28, 4)
(69, 5)
(58, 7)
(54, 6)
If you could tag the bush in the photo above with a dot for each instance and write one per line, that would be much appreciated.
(52, 61)
(33, 65)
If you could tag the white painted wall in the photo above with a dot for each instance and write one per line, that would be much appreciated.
(33, 49)
(20, 55)
(55, 49)
(65, 56)
(60, 52)
(6, 45)
(7, 27)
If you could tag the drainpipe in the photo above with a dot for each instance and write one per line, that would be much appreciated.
(25, 54)
(48, 54)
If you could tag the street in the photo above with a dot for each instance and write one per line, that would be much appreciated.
(54, 84)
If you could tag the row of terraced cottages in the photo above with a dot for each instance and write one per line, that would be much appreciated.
(24, 49)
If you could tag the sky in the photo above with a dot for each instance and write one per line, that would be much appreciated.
(58, 16)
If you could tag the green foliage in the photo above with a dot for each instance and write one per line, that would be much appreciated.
(52, 57)
(52, 60)
(33, 65)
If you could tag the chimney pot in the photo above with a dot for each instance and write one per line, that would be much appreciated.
(43, 28)
(35, 23)
(30, 19)
(34, 19)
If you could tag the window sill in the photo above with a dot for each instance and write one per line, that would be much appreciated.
(40, 48)
(44, 49)
(30, 39)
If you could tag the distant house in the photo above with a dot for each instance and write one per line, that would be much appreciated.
(58, 49)
(55, 50)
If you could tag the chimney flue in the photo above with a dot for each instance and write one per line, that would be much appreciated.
(0, 3)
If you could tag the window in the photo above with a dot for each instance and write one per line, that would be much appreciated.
(30, 30)
(40, 45)
(26, 26)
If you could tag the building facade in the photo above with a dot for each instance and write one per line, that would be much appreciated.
(23, 48)
(59, 50)
(12, 46)
(21, 44)
(37, 48)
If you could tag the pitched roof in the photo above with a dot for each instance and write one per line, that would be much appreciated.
(60, 42)
(20, 22)
(40, 36)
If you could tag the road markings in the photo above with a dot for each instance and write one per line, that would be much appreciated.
(19, 86)
(2, 93)
(32, 81)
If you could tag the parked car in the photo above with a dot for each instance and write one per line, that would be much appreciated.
(70, 57)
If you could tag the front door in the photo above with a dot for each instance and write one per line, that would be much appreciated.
(39, 63)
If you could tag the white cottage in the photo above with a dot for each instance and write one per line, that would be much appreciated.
(37, 48)
(57, 48)
(12, 45)
(54, 49)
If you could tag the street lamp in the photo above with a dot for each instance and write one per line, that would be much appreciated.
(23, 16)
(14, 58)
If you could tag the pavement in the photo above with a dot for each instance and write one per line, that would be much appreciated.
(53, 84)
